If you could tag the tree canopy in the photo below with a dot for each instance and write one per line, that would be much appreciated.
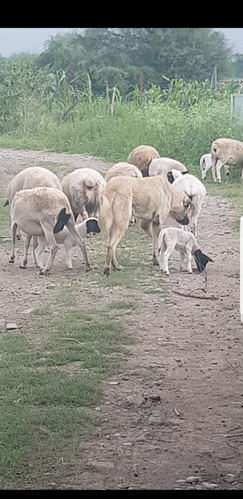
(118, 56)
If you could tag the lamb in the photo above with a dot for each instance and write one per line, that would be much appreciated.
(43, 211)
(141, 157)
(64, 237)
(196, 191)
(161, 166)
(226, 151)
(122, 168)
(205, 164)
(185, 242)
(84, 189)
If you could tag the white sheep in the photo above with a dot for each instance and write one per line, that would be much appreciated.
(205, 164)
(122, 168)
(64, 237)
(43, 211)
(226, 151)
(29, 178)
(84, 189)
(194, 189)
(162, 165)
(141, 156)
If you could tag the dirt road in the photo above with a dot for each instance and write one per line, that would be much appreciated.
(173, 418)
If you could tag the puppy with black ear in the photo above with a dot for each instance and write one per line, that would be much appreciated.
(185, 242)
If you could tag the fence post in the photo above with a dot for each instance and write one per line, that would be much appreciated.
(241, 269)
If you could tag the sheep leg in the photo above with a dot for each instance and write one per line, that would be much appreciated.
(40, 244)
(68, 249)
(14, 233)
(164, 254)
(79, 240)
(188, 258)
(34, 246)
(47, 228)
(26, 248)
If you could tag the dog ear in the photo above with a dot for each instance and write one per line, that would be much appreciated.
(170, 177)
(201, 260)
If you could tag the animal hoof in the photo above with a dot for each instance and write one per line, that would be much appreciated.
(22, 266)
(11, 261)
(107, 271)
(42, 273)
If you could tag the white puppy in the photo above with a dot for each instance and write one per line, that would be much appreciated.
(185, 242)
(64, 237)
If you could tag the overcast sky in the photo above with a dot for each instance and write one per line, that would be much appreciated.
(15, 40)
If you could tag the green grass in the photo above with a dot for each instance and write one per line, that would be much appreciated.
(51, 370)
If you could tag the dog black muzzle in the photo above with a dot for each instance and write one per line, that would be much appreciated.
(183, 221)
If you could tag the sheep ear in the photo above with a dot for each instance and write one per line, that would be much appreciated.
(185, 172)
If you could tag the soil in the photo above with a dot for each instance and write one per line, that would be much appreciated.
(173, 418)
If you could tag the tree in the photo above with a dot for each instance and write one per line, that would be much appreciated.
(116, 56)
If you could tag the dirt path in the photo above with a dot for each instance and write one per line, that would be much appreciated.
(173, 418)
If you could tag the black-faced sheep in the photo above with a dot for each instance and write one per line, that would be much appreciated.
(43, 211)
(84, 189)
(141, 157)
(226, 151)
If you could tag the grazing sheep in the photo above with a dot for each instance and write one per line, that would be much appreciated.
(84, 189)
(29, 178)
(150, 199)
(196, 191)
(141, 156)
(161, 166)
(185, 242)
(226, 151)
(205, 164)
(64, 237)
(122, 168)
(43, 211)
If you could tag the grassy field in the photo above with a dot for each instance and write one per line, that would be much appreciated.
(52, 369)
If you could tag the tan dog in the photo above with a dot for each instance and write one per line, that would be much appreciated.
(151, 199)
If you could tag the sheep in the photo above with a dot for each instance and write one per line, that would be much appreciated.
(196, 191)
(150, 199)
(84, 189)
(64, 237)
(141, 156)
(205, 164)
(161, 166)
(185, 242)
(43, 211)
(226, 151)
(29, 178)
(122, 168)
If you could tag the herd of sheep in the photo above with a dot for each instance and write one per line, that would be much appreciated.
(147, 187)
